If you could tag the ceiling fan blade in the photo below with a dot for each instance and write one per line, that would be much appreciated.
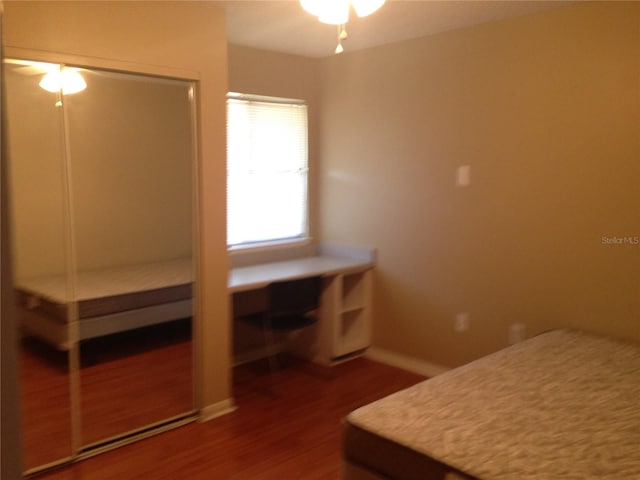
(25, 67)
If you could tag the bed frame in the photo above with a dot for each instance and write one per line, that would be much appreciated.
(108, 301)
(562, 405)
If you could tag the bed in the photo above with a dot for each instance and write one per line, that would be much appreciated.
(561, 405)
(109, 300)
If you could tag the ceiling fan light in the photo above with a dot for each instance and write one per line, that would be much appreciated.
(72, 81)
(314, 7)
(366, 7)
(68, 80)
(51, 81)
(336, 12)
(333, 12)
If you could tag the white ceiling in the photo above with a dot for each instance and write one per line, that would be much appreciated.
(282, 25)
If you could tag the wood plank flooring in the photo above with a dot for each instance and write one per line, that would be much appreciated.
(290, 429)
(127, 381)
(134, 379)
(45, 404)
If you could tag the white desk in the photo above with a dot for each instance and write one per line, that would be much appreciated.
(345, 305)
(259, 276)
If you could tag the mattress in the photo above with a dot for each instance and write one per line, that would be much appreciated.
(562, 405)
(109, 290)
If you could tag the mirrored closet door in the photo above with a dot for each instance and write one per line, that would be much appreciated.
(127, 200)
(41, 259)
(130, 153)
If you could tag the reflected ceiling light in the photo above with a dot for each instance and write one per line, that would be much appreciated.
(68, 80)
(336, 12)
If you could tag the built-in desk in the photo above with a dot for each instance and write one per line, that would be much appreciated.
(344, 327)
(259, 276)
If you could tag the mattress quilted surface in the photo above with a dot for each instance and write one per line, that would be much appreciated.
(562, 405)
(108, 282)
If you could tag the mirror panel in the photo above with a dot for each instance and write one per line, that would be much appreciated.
(39, 221)
(131, 162)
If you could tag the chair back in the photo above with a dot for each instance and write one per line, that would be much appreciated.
(294, 297)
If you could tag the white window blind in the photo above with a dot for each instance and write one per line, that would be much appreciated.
(267, 167)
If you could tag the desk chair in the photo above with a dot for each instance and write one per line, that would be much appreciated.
(291, 305)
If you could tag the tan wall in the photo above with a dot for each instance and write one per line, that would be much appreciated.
(261, 72)
(184, 39)
(130, 149)
(546, 111)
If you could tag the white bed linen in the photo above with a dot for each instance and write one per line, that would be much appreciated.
(563, 405)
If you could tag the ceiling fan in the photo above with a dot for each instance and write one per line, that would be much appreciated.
(28, 67)
(55, 77)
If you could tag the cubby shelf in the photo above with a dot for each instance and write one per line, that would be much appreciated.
(352, 322)
(353, 331)
(353, 292)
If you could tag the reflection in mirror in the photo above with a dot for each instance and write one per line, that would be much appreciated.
(131, 161)
(102, 188)
(38, 228)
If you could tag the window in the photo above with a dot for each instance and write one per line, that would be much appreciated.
(267, 167)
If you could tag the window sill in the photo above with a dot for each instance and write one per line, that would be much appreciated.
(267, 252)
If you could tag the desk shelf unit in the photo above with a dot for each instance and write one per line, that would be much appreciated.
(346, 315)
(344, 329)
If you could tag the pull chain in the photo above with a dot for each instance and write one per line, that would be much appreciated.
(342, 35)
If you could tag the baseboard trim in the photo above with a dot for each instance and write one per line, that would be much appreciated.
(216, 410)
(410, 364)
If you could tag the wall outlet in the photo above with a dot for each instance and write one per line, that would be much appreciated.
(516, 333)
(461, 322)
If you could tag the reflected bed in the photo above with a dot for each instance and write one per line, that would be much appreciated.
(562, 405)
(109, 300)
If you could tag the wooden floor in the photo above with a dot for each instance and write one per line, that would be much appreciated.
(127, 381)
(290, 429)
